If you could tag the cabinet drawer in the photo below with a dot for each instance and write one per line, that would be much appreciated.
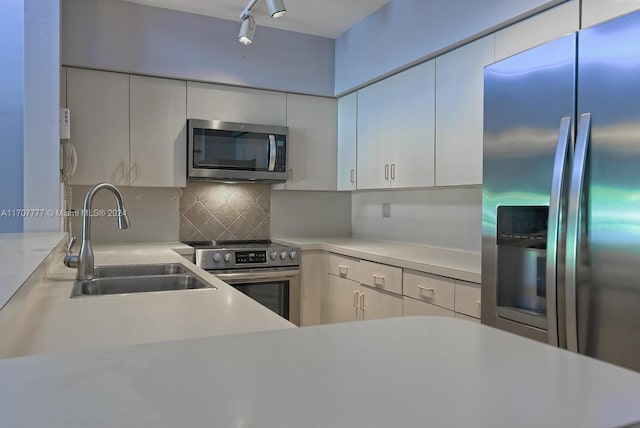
(342, 266)
(467, 298)
(383, 277)
(418, 307)
(434, 289)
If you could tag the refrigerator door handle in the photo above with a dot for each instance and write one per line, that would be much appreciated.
(573, 228)
(560, 161)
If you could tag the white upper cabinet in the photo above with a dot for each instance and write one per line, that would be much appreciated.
(459, 112)
(347, 117)
(597, 11)
(374, 135)
(233, 104)
(127, 130)
(312, 145)
(541, 28)
(99, 104)
(395, 130)
(412, 121)
(158, 132)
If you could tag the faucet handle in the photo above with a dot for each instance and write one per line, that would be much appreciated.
(72, 242)
(70, 260)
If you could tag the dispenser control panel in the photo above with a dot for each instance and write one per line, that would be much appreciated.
(523, 226)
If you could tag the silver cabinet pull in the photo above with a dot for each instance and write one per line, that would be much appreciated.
(352, 175)
(393, 171)
(421, 287)
(557, 189)
(386, 171)
(573, 227)
(362, 301)
(355, 299)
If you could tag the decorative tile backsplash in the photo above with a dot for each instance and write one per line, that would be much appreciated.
(212, 211)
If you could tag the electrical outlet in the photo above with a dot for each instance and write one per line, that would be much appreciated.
(386, 210)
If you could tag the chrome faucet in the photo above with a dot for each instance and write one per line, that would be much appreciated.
(84, 261)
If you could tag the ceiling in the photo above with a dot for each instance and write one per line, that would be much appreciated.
(315, 17)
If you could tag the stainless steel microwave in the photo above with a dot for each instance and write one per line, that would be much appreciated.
(230, 151)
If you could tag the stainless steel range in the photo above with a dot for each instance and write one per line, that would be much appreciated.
(267, 272)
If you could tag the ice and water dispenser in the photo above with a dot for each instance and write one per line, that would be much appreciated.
(521, 264)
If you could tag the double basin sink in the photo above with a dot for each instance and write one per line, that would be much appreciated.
(125, 279)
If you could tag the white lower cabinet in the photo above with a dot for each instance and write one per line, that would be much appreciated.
(412, 306)
(467, 298)
(342, 303)
(350, 301)
(358, 289)
(376, 304)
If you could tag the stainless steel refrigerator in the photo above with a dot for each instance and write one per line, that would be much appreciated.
(561, 193)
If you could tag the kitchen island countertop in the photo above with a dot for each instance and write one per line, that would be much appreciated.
(404, 372)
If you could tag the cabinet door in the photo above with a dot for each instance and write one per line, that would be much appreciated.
(233, 104)
(342, 295)
(313, 123)
(347, 118)
(99, 104)
(467, 298)
(158, 132)
(374, 135)
(376, 304)
(459, 112)
(412, 122)
(541, 28)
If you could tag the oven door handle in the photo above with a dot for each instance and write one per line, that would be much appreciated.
(272, 274)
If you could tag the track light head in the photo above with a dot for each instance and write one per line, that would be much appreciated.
(247, 30)
(276, 8)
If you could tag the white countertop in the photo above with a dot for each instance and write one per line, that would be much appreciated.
(20, 255)
(49, 321)
(402, 372)
(438, 261)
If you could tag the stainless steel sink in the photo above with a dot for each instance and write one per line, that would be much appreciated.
(126, 279)
(138, 270)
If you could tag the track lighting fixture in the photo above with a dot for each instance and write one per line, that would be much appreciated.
(248, 24)
(247, 30)
(276, 8)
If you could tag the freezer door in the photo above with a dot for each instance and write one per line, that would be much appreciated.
(605, 321)
(529, 109)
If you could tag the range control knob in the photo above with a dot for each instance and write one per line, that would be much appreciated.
(273, 255)
(293, 255)
(227, 257)
(283, 255)
(216, 257)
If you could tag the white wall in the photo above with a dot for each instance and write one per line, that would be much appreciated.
(154, 214)
(41, 111)
(440, 217)
(11, 111)
(129, 37)
(314, 214)
(407, 31)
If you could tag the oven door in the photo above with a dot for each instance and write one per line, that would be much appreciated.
(277, 289)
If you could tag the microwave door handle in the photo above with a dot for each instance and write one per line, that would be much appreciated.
(573, 228)
(272, 152)
(560, 162)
